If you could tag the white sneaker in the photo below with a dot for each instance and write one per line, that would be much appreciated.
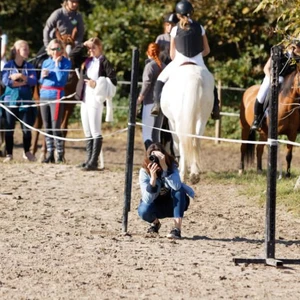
(29, 156)
(8, 158)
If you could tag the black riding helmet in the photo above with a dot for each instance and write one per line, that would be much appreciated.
(171, 18)
(185, 8)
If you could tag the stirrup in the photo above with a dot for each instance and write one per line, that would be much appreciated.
(256, 124)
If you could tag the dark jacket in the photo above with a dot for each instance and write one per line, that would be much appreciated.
(106, 70)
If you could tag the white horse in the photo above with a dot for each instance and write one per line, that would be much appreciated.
(187, 101)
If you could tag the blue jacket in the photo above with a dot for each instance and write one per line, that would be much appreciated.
(169, 179)
(12, 94)
(57, 78)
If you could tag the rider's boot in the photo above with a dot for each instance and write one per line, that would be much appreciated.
(50, 158)
(156, 98)
(89, 150)
(147, 143)
(258, 114)
(92, 165)
(216, 109)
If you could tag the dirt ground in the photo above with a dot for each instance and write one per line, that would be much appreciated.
(61, 234)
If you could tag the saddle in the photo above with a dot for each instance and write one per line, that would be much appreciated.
(188, 63)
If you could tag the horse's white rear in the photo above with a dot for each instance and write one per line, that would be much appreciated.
(187, 101)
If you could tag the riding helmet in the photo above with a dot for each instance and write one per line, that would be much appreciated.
(171, 18)
(185, 8)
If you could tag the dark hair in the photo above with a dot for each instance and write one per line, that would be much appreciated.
(170, 159)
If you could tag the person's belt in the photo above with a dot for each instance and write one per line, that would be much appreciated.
(58, 96)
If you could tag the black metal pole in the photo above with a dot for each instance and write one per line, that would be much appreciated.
(0, 58)
(272, 155)
(130, 137)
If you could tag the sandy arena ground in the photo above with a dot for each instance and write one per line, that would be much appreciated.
(61, 234)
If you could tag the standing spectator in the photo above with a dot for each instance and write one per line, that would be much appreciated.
(164, 39)
(53, 79)
(19, 77)
(163, 193)
(4, 42)
(151, 71)
(98, 82)
(65, 19)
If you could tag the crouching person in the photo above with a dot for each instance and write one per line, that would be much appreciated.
(163, 193)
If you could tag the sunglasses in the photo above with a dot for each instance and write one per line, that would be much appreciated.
(56, 49)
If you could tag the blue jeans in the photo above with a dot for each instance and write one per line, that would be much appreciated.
(171, 205)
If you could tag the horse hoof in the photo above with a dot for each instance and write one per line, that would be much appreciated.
(241, 172)
(194, 178)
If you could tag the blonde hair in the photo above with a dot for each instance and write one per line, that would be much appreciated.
(17, 45)
(153, 52)
(94, 41)
(50, 45)
(183, 22)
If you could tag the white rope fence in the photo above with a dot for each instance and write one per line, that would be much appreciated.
(268, 142)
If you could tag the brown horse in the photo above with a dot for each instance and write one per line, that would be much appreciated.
(288, 121)
(68, 108)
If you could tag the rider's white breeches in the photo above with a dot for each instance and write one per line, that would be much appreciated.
(91, 117)
(264, 89)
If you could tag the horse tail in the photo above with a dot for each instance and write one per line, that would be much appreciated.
(198, 111)
(250, 148)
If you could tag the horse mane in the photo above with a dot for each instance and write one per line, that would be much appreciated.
(288, 83)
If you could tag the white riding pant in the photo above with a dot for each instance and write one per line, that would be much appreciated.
(147, 120)
(264, 88)
(91, 117)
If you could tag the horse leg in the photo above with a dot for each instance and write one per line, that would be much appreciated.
(35, 136)
(247, 150)
(289, 156)
(182, 163)
(195, 168)
(68, 110)
(259, 154)
(2, 137)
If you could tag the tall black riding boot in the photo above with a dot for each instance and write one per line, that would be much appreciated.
(156, 97)
(89, 149)
(258, 115)
(50, 158)
(93, 162)
(216, 109)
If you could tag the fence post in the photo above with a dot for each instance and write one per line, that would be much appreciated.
(130, 137)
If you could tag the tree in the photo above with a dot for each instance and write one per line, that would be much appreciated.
(286, 13)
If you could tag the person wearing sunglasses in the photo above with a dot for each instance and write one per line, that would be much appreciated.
(54, 77)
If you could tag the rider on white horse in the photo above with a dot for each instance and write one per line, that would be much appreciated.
(188, 46)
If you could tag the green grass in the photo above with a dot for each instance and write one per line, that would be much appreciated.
(252, 184)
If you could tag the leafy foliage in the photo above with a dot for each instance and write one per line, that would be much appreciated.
(240, 32)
